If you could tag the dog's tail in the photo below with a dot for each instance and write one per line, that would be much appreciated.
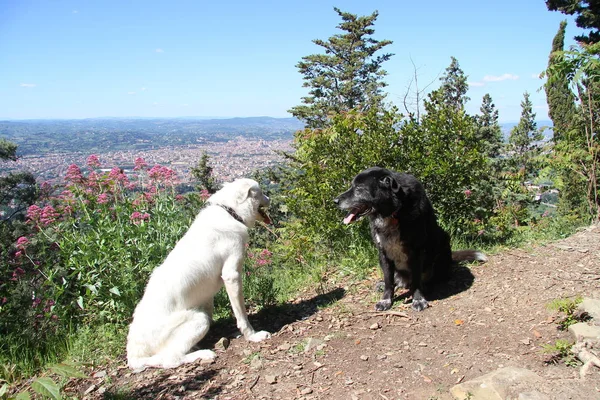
(468, 256)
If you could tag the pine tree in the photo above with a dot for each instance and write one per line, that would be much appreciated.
(522, 140)
(347, 77)
(587, 16)
(561, 101)
(455, 86)
(203, 173)
(488, 128)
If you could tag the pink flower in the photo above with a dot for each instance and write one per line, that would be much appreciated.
(102, 198)
(468, 193)
(138, 217)
(22, 242)
(18, 254)
(204, 194)
(74, 174)
(36, 302)
(49, 215)
(162, 174)
(179, 197)
(17, 273)
(93, 161)
(140, 164)
(33, 213)
(481, 232)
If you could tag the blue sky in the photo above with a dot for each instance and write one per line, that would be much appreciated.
(82, 59)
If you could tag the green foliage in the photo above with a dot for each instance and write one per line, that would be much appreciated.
(587, 17)
(523, 142)
(443, 150)
(454, 86)
(45, 386)
(568, 307)
(488, 129)
(347, 77)
(577, 153)
(203, 173)
(561, 351)
(326, 161)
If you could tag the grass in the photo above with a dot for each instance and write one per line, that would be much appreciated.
(568, 307)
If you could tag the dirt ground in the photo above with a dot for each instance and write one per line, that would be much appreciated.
(335, 346)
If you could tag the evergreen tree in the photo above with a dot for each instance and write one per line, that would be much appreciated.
(488, 128)
(347, 77)
(561, 101)
(587, 16)
(454, 86)
(203, 173)
(522, 140)
(17, 190)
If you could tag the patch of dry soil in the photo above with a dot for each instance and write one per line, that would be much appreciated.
(335, 346)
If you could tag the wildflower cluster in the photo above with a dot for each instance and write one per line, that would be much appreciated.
(88, 249)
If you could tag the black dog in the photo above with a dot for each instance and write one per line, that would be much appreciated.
(413, 248)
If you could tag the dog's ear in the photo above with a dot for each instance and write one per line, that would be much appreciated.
(389, 182)
(247, 189)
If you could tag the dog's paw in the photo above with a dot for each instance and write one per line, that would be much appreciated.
(259, 336)
(419, 304)
(383, 305)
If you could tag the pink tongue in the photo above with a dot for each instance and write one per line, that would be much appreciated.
(349, 218)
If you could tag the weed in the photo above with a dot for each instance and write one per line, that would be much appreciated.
(561, 351)
(568, 307)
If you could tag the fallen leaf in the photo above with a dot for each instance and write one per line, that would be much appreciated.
(458, 322)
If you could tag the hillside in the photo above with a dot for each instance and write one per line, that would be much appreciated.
(334, 346)
(35, 137)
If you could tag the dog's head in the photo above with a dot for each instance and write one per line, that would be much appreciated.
(246, 198)
(374, 191)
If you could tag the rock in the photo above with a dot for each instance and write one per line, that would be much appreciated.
(99, 374)
(89, 390)
(306, 391)
(271, 379)
(584, 331)
(509, 382)
(364, 358)
(207, 361)
(256, 363)
(375, 326)
(311, 343)
(592, 308)
(222, 344)
(284, 347)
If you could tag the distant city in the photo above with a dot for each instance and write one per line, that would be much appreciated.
(236, 146)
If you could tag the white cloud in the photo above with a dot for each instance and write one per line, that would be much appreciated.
(142, 89)
(159, 50)
(130, 93)
(503, 77)
(75, 11)
(476, 84)
(28, 85)
(155, 103)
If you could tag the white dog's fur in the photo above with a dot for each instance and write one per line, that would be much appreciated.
(176, 310)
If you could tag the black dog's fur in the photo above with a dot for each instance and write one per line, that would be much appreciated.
(413, 248)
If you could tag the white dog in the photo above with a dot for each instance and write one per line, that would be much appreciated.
(176, 309)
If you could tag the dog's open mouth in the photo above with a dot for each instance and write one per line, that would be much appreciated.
(357, 213)
(265, 217)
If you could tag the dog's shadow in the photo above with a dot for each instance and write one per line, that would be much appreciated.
(461, 280)
(273, 318)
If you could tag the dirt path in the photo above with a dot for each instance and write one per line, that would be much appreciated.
(334, 346)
